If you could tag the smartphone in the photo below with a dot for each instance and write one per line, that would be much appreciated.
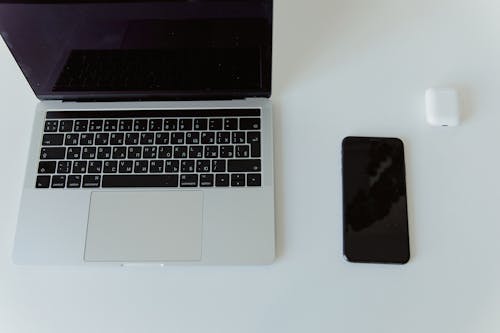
(374, 200)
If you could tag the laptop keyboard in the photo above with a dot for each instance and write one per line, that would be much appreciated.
(155, 148)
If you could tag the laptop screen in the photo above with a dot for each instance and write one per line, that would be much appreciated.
(112, 50)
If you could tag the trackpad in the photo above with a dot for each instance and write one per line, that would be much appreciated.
(144, 226)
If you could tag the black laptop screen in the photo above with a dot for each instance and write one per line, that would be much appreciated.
(91, 50)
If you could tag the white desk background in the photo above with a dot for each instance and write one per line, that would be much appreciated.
(340, 68)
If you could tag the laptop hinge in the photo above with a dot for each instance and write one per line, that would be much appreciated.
(250, 99)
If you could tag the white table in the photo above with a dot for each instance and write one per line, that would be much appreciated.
(341, 68)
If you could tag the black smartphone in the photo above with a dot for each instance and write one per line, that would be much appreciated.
(374, 200)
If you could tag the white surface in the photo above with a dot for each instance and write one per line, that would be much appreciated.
(341, 68)
(442, 107)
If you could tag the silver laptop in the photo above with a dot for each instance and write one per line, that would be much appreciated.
(152, 142)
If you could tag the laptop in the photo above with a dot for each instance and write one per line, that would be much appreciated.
(152, 142)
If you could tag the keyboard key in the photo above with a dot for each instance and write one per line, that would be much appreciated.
(170, 124)
(119, 153)
(74, 181)
(222, 180)
(94, 167)
(87, 139)
(189, 180)
(125, 166)
(47, 167)
(155, 125)
(140, 181)
(253, 179)
(177, 138)
(95, 125)
(55, 153)
(185, 124)
(64, 167)
(195, 151)
(211, 151)
(91, 181)
(73, 153)
(231, 124)
(134, 152)
(80, 167)
(192, 138)
(149, 152)
(223, 137)
(110, 166)
(125, 125)
(51, 126)
(250, 165)
(162, 138)
(226, 151)
(203, 166)
(249, 123)
(147, 138)
(72, 139)
(218, 165)
(111, 125)
(187, 166)
(42, 181)
(81, 125)
(58, 181)
(140, 125)
(89, 153)
(116, 139)
(180, 152)
(242, 151)
(206, 180)
(65, 125)
(156, 166)
(200, 124)
(238, 179)
(131, 139)
(101, 139)
(104, 153)
(253, 138)
(215, 124)
(171, 166)
(52, 139)
(238, 137)
(141, 166)
(208, 138)
(165, 152)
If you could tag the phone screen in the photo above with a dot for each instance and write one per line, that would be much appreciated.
(374, 200)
